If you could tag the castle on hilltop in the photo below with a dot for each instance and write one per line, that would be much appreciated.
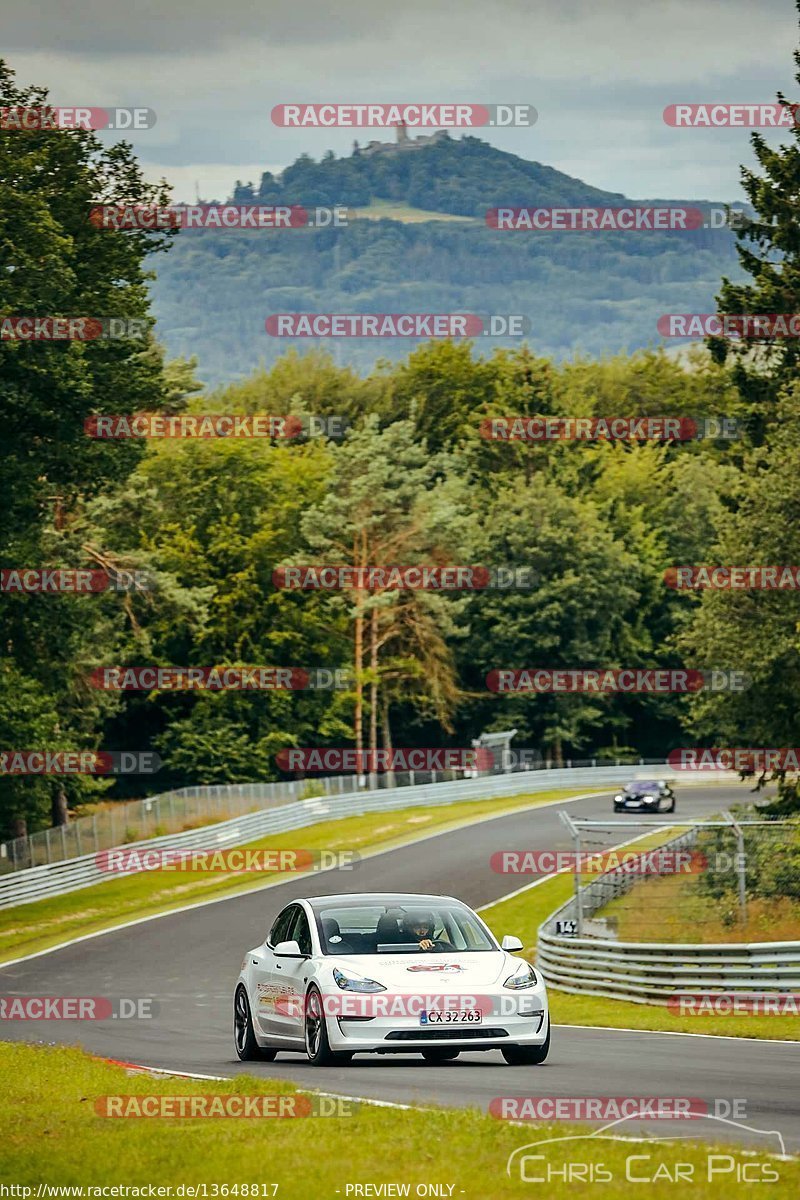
(402, 143)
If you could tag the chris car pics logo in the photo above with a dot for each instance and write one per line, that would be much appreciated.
(579, 1158)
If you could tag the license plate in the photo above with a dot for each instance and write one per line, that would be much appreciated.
(451, 1016)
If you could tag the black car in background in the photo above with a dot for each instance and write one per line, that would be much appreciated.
(645, 795)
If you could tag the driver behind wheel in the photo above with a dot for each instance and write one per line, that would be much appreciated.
(419, 926)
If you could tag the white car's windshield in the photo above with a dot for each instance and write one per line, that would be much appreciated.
(400, 929)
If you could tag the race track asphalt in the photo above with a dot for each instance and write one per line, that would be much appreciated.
(188, 962)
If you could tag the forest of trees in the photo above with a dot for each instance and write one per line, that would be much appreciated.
(412, 481)
(586, 293)
(462, 176)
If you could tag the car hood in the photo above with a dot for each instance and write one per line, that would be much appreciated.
(430, 972)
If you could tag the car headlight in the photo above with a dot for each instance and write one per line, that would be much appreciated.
(350, 983)
(523, 977)
(619, 797)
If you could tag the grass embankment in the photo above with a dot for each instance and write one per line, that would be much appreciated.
(523, 914)
(28, 928)
(703, 905)
(675, 908)
(52, 1134)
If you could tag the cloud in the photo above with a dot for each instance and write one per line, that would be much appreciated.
(599, 75)
(213, 181)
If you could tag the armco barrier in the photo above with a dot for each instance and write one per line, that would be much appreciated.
(653, 972)
(124, 821)
(36, 883)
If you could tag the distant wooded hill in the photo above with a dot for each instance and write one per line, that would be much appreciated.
(583, 292)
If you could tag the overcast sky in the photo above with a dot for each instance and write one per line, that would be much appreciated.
(599, 75)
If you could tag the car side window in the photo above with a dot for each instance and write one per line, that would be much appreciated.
(282, 925)
(301, 932)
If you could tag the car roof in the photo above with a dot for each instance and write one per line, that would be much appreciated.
(378, 898)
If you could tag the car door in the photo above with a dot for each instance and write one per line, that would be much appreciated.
(268, 987)
(291, 976)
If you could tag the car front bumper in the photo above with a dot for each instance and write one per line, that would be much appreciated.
(388, 1034)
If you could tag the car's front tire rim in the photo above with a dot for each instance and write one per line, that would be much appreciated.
(241, 1020)
(313, 1025)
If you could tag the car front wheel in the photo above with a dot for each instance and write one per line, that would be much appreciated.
(318, 1048)
(527, 1056)
(247, 1048)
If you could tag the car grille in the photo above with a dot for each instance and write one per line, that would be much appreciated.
(441, 1035)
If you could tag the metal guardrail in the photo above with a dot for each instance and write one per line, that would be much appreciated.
(654, 972)
(54, 879)
(126, 821)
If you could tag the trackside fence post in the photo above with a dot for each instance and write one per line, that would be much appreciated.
(575, 834)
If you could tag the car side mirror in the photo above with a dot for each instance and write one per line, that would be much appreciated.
(288, 950)
(511, 943)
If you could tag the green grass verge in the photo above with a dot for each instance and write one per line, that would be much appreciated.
(52, 1134)
(28, 928)
(679, 908)
(522, 915)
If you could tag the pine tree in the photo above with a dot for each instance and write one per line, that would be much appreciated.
(768, 247)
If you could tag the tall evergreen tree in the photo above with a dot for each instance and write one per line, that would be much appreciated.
(55, 262)
(768, 247)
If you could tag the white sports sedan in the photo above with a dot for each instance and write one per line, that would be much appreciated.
(387, 973)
